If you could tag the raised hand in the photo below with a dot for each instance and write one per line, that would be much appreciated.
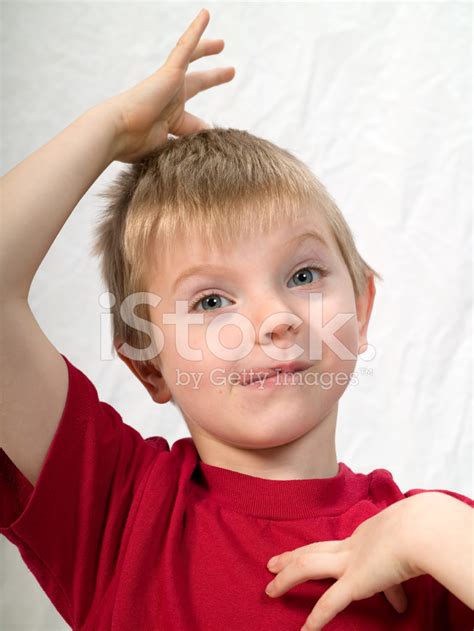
(147, 112)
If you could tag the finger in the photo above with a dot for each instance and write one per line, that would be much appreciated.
(334, 600)
(397, 597)
(181, 54)
(189, 125)
(318, 546)
(307, 566)
(203, 80)
(207, 47)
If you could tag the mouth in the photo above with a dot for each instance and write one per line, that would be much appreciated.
(263, 375)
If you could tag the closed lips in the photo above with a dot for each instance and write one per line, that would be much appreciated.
(253, 374)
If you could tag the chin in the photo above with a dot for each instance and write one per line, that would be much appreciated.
(267, 436)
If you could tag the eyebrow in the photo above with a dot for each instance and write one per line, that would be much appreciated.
(308, 235)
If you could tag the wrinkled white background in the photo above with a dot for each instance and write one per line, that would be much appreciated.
(376, 98)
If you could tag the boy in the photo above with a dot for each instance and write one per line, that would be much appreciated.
(126, 533)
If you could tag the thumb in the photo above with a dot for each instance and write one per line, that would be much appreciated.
(190, 124)
(397, 598)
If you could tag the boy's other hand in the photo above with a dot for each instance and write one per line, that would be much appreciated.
(377, 557)
(145, 114)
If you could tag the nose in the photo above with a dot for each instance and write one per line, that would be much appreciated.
(283, 333)
(275, 320)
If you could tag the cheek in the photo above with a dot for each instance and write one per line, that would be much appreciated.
(347, 334)
(191, 366)
(187, 360)
(338, 330)
(221, 343)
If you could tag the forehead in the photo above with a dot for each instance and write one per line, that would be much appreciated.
(196, 245)
(190, 250)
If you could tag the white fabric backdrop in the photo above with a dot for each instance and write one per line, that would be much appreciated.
(376, 98)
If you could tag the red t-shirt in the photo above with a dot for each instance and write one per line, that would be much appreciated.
(124, 533)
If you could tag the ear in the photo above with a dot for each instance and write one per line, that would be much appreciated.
(364, 304)
(149, 375)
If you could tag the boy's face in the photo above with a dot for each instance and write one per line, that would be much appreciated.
(256, 315)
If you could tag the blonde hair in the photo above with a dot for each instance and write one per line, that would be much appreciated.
(216, 183)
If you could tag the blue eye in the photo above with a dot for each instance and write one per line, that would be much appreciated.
(202, 297)
(303, 271)
(322, 271)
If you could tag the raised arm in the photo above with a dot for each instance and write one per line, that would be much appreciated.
(39, 194)
(37, 197)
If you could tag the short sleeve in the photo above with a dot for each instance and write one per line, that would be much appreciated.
(69, 526)
(451, 612)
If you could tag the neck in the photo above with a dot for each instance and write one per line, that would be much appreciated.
(312, 455)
